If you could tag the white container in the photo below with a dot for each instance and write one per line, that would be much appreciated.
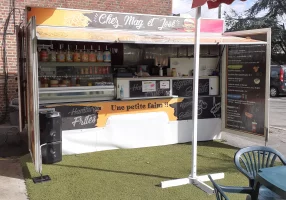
(214, 85)
(161, 72)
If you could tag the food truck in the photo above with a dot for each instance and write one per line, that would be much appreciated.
(124, 80)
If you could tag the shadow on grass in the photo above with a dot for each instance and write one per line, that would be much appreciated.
(115, 171)
(211, 143)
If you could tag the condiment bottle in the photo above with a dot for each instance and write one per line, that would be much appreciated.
(84, 55)
(61, 55)
(69, 56)
(44, 55)
(82, 71)
(106, 55)
(86, 70)
(92, 55)
(76, 55)
(174, 73)
(99, 55)
(90, 70)
(95, 70)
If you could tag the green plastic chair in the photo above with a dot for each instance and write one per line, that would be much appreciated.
(220, 195)
(250, 159)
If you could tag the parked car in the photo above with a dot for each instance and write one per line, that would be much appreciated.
(277, 80)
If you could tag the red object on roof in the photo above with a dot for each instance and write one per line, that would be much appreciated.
(211, 3)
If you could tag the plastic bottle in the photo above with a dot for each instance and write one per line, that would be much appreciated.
(140, 72)
(121, 93)
(160, 71)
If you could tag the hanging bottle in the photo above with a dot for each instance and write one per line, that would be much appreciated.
(106, 55)
(99, 55)
(69, 57)
(92, 55)
(76, 55)
(84, 55)
(61, 55)
(53, 56)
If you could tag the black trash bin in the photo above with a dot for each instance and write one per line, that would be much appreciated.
(51, 136)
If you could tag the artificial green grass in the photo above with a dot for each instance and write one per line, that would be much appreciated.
(133, 173)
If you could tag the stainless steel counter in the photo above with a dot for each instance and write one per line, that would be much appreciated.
(75, 94)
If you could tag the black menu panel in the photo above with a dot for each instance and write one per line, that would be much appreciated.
(184, 87)
(208, 107)
(245, 95)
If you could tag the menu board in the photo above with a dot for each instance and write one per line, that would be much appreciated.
(78, 117)
(149, 88)
(184, 87)
(245, 99)
(208, 107)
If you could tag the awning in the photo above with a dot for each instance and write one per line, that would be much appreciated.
(145, 37)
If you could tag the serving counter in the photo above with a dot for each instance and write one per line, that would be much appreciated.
(143, 116)
(162, 87)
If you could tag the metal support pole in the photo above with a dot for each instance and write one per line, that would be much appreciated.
(196, 91)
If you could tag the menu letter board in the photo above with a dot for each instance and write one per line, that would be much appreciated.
(245, 95)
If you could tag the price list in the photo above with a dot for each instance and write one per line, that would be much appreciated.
(245, 99)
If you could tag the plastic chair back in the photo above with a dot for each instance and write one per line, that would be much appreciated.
(250, 159)
(220, 195)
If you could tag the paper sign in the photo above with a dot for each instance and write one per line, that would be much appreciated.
(164, 84)
(148, 86)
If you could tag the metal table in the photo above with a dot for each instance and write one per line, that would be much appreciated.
(274, 178)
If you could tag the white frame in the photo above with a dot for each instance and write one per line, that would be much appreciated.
(34, 88)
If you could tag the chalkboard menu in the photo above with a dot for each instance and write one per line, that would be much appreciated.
(245, 99)
(208, 107)
(184, 87)
(149, 88)
(78, 117)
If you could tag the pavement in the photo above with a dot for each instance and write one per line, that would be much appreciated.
(277, 111)
(12, 182)
(277, 140)
(11, 173)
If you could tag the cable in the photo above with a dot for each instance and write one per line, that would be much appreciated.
(5, 68)
(4, 55)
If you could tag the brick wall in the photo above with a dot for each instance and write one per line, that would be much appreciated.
(159, 7)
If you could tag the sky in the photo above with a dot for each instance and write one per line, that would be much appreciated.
(185, 7)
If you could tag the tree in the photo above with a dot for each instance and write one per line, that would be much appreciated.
(274, 11)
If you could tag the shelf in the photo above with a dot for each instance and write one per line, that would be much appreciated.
(74, 64)
(76, 89)
(80, 76)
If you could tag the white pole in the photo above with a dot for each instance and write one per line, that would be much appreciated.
(196, 90)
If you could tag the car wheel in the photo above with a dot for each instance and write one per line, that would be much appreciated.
(273, 92)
